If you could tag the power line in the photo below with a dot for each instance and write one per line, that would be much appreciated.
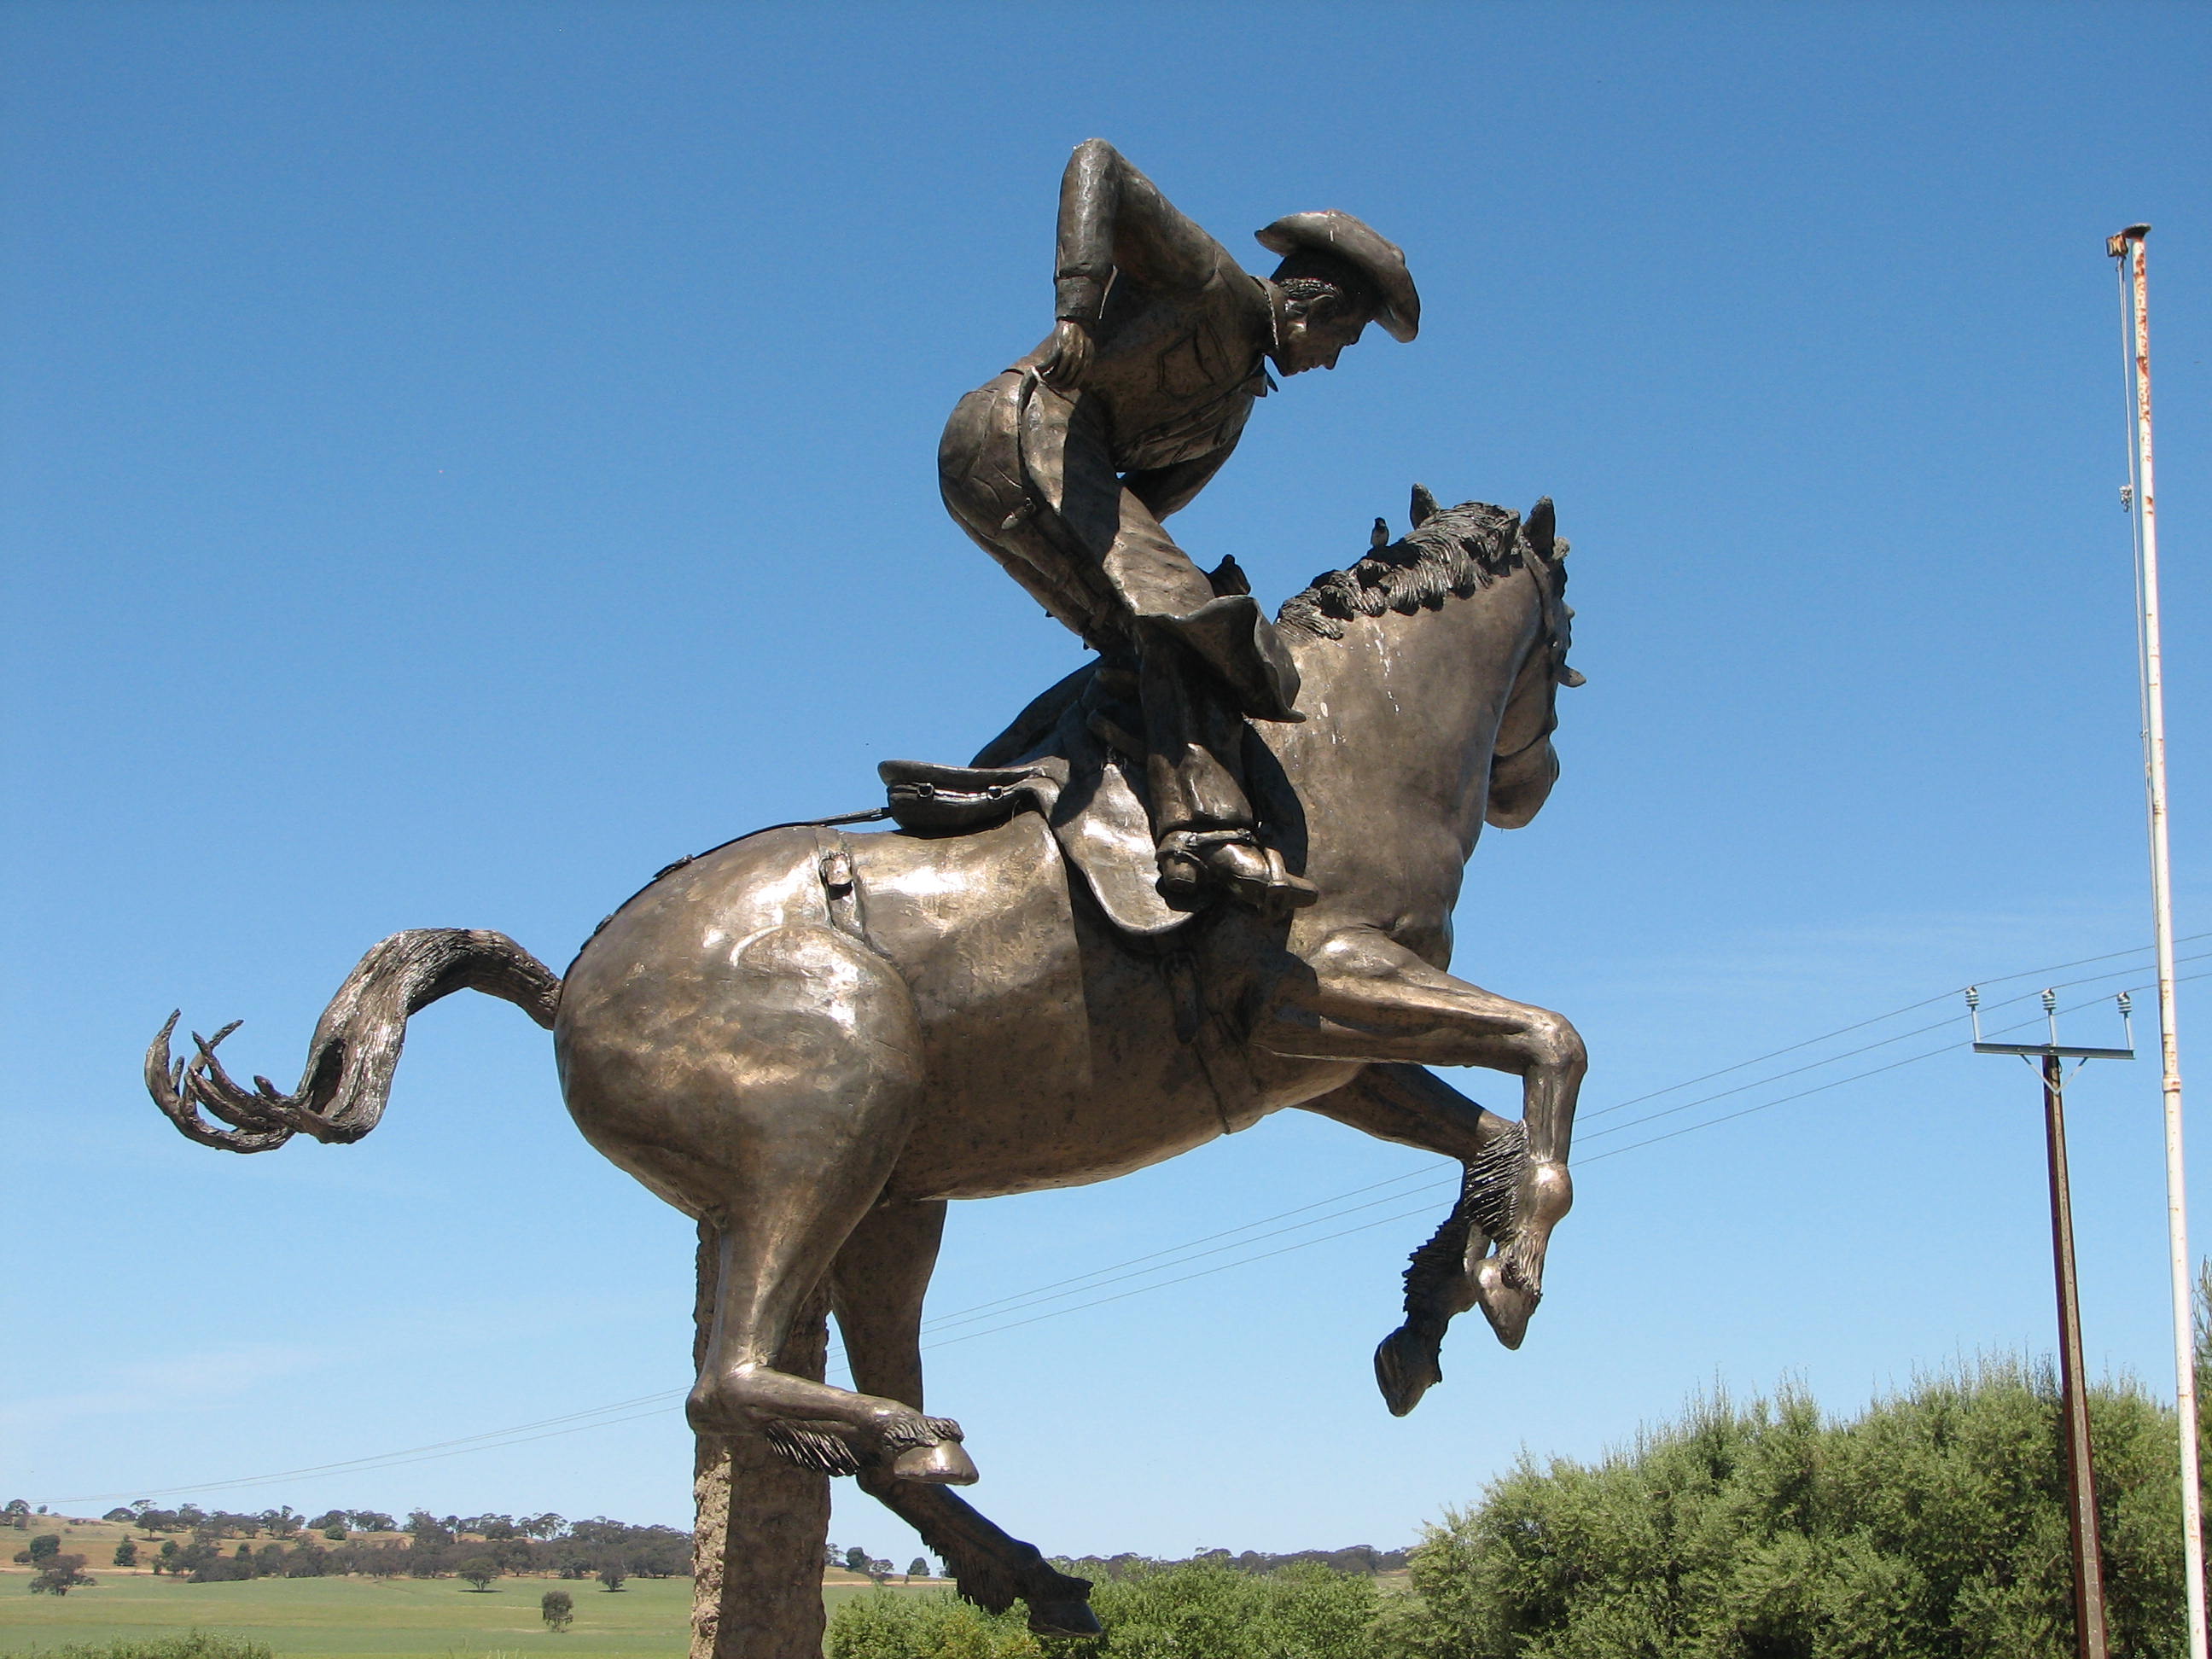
(1177, 1255)
(1865, 1049)
(1931, 1053)
(1910, 1007)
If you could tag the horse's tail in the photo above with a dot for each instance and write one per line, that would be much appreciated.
(356, 1046)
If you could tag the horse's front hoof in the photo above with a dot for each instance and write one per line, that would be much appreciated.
(1507, 1301)
(945, 1463)
(1064, 1619)
(1406, 1368)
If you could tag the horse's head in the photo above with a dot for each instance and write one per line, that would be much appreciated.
(1489, 680)
(1524, 765)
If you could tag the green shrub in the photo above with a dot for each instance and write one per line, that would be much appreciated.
(1193, 1611)
(882, 1626)
(195, 1645)
(1933, 1527)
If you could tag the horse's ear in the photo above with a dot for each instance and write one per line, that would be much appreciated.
(1423, 508)
(1541, 526)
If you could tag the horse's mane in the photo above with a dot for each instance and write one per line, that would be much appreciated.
(1449, 554)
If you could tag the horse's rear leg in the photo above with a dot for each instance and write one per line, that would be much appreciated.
(877, 1287)
(776, 1121)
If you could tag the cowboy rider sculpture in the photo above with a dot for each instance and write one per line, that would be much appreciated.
(1064, 466)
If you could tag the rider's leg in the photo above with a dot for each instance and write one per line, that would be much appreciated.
(1202, 817)
(988, 491)
(1205, 661)
(878, 1284)
(1101, 563)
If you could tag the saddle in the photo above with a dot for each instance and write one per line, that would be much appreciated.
(1050, 762)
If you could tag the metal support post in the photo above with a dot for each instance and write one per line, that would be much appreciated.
(2128, 247)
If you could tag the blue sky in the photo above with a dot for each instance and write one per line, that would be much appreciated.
(459, 458)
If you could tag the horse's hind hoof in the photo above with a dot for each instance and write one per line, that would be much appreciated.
(944, 1464)
(1064, 1619)
(1406, 1368)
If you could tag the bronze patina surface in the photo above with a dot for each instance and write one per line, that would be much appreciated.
(814, 1038)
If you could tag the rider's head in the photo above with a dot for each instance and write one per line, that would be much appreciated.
(1337, 276)
(1322, 305)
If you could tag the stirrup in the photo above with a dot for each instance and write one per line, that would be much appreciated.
(1231, 861)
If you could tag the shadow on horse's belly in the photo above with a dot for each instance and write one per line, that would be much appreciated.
(807, 998)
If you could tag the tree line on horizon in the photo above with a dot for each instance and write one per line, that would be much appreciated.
(479, 1547)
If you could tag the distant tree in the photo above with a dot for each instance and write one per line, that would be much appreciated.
(880, 1571)
(63, 1574)
(280, 1523)
(917, 1568)
(44, 1548)
(189, 1517)
(119, 1513)
(480, 1570)
(245, 1552)
(546, 1526)
(17, 1512)
(558, 1609)
(126, 1554)
(856, 1559)
(386, 1561)
(832, 1555)
(428, 1529)
(612, 1571)
(373, 1520)
(168, 1557)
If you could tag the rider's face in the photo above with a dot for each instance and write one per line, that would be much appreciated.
(1310, 334)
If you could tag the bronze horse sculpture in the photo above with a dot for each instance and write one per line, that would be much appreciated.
(812, 1038)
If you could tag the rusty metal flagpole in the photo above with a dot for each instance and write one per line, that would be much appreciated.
(2127, 248)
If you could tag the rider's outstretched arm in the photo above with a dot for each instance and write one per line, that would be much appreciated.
(1112, 217)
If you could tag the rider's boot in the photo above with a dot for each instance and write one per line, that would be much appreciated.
(1194, 861)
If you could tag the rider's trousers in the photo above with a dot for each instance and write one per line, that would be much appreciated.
(1103, 566)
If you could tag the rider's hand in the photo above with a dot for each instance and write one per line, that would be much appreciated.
(1066, 358)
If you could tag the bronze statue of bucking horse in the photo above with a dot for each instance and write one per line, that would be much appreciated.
(813, 1037)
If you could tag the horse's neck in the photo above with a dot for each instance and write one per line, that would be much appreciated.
(1392, 764)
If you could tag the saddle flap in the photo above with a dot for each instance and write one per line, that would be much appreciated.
(1102, 824)
(1058, 767)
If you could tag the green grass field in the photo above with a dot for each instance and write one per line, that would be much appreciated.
(366, 1618)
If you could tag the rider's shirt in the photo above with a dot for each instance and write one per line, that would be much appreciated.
(1178, 372)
